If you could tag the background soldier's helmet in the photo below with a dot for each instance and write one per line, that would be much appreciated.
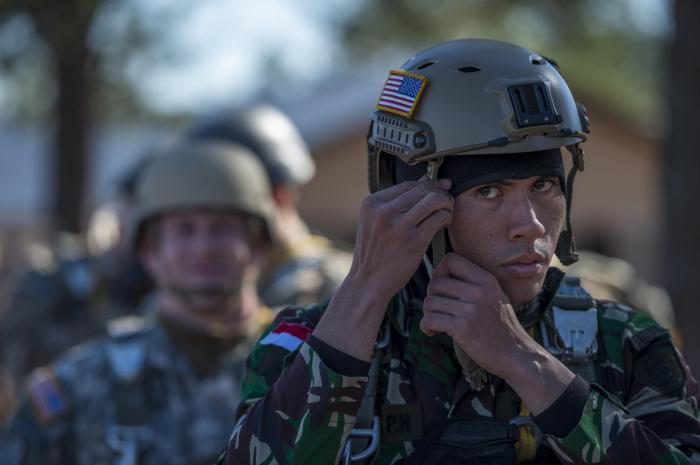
(203, 175)
(269, 134)
(473, 97)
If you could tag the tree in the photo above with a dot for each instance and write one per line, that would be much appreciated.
(682, 176)
(64, 28)
(74, 56)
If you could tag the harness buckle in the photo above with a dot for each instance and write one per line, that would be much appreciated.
(372, 433)
(575, 332)
(528, 421)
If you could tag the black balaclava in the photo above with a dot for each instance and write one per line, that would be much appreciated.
(474, 170)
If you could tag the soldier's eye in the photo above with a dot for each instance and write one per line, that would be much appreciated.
(183, 229)
(488, 192)
(545, 184)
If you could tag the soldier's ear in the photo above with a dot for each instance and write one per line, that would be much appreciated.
(262, 250)
(148, 247)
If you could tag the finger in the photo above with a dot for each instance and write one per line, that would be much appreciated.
(453, 288)
(434, 323)
(426, 230)
(446, 306)
(431, 202)
(394, 191)
(408, 200)
(457, 266)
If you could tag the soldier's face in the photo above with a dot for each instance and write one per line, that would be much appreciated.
(510, 228)
(204, 253)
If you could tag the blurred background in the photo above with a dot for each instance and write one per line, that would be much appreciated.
(88, 87)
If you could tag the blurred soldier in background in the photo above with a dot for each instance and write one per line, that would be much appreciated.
(305, 267)
(163, 390)
(68, 296)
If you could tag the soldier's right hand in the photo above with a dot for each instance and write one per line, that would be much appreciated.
(394, 230)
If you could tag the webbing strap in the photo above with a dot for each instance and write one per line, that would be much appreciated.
(566, 246)
(364, 437)
(526, 447)
(439, 244)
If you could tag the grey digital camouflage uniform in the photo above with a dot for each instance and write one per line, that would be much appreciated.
(83, 409)
(54, 310)
(304, 271)
(642, 407)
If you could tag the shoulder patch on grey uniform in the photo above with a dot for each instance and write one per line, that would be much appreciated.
(46, 395)
(658, 367)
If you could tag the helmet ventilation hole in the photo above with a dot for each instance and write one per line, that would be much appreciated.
(537, 60)
(469, 69)
(425, 65)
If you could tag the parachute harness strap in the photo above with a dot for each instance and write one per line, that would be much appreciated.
(529, 435)
(363, 441)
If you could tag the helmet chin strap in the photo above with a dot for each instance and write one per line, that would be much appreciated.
(439, 244)
(566, 245)
(473, 373)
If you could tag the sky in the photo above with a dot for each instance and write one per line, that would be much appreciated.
(221, 52)
(224, 48)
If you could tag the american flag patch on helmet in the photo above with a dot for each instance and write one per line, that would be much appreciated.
(401, 93)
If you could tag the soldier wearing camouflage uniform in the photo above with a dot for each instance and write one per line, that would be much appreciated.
(304, 268)
(164, 391)
(484, 355)
(69, 299)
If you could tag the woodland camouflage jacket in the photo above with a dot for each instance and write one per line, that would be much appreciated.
(641, 408)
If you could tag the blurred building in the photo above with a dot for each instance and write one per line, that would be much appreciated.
(617, 198)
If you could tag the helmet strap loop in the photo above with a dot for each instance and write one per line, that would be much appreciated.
(439, 245)
(566, 245)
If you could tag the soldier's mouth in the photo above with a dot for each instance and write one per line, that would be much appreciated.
(525, 266)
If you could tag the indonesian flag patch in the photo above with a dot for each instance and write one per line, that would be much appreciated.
(289, 336)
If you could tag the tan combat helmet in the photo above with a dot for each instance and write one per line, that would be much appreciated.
(203, 175)
(474, 97)
(268, 133)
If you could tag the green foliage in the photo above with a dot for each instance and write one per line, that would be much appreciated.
(606, 51)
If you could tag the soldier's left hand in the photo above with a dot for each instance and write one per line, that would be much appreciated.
(466, 302)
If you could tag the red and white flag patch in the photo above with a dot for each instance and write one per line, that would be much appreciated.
(45, 395)
(289, 336)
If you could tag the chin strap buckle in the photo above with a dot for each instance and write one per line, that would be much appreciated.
(574, 324)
